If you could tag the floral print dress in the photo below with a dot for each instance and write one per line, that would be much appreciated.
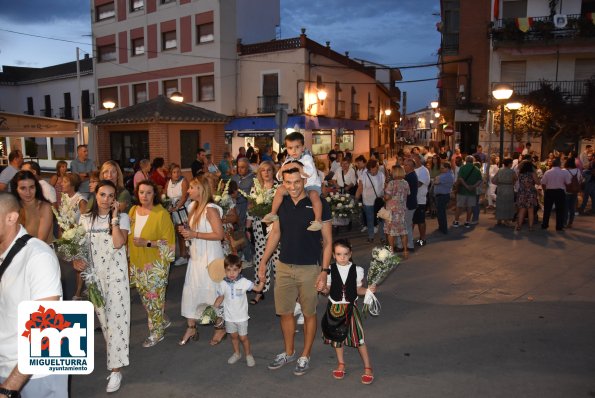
(111, 269)
(398, 191)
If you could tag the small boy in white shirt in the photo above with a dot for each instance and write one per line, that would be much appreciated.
(231, 291)
(294, 143)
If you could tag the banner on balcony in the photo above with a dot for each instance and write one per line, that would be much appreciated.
(524, 24)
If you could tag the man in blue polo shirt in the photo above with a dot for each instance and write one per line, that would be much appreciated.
(299, 275)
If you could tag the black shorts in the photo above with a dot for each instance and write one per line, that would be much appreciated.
(419, 217)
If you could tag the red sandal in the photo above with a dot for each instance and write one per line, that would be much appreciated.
(366, 378)
(339, 374)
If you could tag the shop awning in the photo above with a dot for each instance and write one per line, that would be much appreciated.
(17, 125)
(302, 122)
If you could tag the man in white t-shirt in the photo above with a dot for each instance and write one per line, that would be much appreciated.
(33, 274)
(423, 183)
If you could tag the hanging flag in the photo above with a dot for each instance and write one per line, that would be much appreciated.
(524, 24)
(496, 9)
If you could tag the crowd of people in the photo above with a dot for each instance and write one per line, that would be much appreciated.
(139, 225)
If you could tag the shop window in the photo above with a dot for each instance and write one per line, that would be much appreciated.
(189, 141)
(206, 88)
(129, 146)
(138, 46)
(346, 140)
(204, 33)
(105, 11)
(321, 142)
(63, 148)
(36, 147)
(106, 53)
(170, 87)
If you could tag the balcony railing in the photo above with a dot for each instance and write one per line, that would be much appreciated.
(450, 44)
(340, 108)
(540, 29)
(268, 103)
(46, 112)
(66, 113)
(354, 110)
(571, 90)
(371, 113)
(29, 112)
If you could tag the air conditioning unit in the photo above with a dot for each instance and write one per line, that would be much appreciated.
(560, 21)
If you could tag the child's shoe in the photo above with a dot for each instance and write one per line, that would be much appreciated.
(250, 361)
(315, 226)
(269, 218)
(234, 358)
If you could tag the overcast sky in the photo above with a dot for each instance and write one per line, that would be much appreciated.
(391, 32)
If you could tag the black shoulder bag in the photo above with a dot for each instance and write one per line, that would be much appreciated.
(379, 201)
(18, 245)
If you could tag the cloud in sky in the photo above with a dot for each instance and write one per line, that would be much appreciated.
(392, 32)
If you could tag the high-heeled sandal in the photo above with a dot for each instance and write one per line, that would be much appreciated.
(215, 342)
(257, 298)
(193, 336)
(366, 378)
(339, 374)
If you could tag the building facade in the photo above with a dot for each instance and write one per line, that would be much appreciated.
(49, 92)
(329, 97)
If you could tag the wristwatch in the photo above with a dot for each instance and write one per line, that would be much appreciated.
(327, 270)
(10, 393)
(149, 243)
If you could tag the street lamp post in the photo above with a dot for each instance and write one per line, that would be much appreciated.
(514, 107)
(502, 92)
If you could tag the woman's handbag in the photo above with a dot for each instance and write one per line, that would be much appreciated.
(384, 214)
(379, 201)
(335, 321)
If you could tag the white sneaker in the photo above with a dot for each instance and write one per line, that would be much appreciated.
(364, 229)
(115, 379)
(250, 361)
(234, 358)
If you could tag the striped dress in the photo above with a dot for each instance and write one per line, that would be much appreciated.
(355, 335)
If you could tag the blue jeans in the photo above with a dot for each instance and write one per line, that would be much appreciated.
(589, 192)
(441, 205)
(370, 216)
(409, 225)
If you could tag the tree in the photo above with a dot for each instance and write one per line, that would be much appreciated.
(547, 113)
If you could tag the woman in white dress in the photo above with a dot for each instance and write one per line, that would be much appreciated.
(493, 170)
(205, 232)
(70, 186)
(177, 192)
(107, 231)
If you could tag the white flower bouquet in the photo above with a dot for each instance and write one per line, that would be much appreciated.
(166, 201)
(342, 206)
(260, 199)
(222, 198)
(383, 262)
(73, 242)
(211, 315)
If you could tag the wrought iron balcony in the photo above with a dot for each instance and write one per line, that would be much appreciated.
(340, 108)
(66, 113)
(46, 112)
(354, 110)
(371, 113)
(268, 103)
(541, 29)
(571, 90)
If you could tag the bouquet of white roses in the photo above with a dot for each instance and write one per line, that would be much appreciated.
(73, 242)
(211, 315)
(383, 262)
(342, 205)
(260, 199)
(222, 198)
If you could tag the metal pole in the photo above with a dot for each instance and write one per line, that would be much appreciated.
(501, 133)
(80, 99)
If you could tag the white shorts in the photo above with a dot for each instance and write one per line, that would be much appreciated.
(240, 328)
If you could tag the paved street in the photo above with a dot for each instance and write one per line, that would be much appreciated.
(483, 312)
